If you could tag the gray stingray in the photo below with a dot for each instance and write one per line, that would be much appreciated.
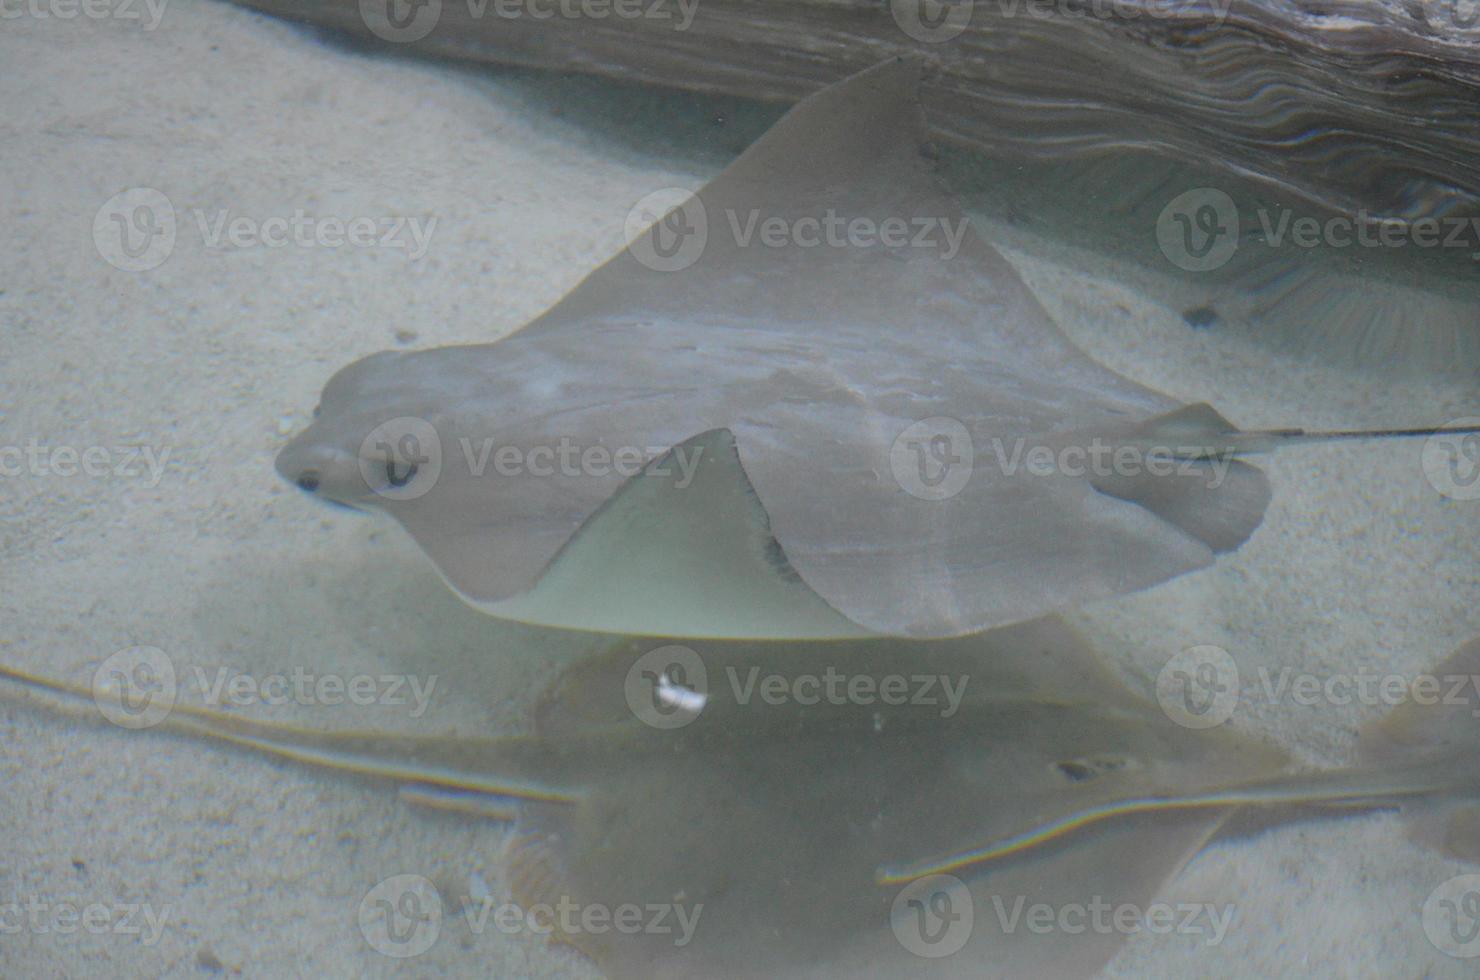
(868, 423)
(805, 835)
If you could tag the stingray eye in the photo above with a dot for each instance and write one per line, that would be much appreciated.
(1083, 770)
(318, 410)
(1075, 771)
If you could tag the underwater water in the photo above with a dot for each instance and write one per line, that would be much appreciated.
(145, 395)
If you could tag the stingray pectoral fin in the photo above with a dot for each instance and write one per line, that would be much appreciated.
(684, 548)
(515, 767)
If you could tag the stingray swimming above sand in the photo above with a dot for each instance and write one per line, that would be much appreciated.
(805, 402)
(806, 836)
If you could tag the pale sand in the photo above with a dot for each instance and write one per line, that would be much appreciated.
(218, 353)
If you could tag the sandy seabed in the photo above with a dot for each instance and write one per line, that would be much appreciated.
(211, 358)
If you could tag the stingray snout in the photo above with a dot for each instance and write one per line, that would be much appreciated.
(326, 472)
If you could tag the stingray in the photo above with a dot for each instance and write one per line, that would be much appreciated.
(855, 418)
(806, 834)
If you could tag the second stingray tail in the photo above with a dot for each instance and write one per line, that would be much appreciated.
(1424, 758)
(487, 774)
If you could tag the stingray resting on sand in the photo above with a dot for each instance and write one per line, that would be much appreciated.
(863, 421)
(813, 835)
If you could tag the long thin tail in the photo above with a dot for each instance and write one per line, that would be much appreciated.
(1424, 751)
(1266, 439)
(510, 767)
(1198, 431)
(1360, 788)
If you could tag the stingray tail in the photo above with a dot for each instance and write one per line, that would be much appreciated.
(1217, 497)
(1423, 757)
(1199, 432)
(484, 776)
(1269, 439)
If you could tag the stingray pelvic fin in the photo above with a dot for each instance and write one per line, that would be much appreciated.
(684, 548)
